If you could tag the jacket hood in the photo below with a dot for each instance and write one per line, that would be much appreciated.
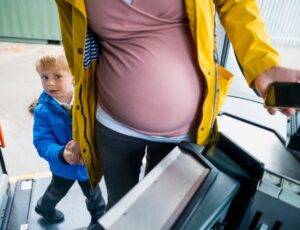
(45, 99)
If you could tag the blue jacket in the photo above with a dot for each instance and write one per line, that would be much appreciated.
(52, 130)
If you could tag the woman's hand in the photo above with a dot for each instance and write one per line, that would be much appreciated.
(276, 74)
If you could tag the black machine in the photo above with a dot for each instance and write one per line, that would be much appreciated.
(293, 135)
(275, 203)
(182, 192)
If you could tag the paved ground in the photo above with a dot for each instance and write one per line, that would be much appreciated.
(19, 85)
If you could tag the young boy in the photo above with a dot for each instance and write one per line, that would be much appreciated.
(52, 137)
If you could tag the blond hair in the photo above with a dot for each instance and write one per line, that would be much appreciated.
(47, 61)
(50, 60)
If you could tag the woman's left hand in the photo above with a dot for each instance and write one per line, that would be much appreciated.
(276, 74)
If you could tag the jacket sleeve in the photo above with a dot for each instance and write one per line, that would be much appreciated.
(247, 33)
(44, 140)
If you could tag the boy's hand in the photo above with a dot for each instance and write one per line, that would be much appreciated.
(69, 156)
(72, 153)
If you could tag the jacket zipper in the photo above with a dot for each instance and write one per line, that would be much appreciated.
(216, 61)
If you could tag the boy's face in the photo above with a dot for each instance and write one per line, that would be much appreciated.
(57, 83)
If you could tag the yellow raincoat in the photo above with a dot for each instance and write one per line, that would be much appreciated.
(243, 26)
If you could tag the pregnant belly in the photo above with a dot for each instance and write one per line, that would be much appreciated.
(164, 104)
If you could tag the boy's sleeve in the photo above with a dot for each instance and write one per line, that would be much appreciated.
(44, 140)
(61, 157)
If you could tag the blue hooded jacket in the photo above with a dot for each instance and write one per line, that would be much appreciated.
(52, 130)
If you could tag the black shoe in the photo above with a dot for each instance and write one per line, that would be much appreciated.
(94, 225)
(53, 216)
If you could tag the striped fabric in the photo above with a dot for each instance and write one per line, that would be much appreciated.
(92, 48)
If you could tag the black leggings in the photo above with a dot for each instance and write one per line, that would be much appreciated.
(121, 159)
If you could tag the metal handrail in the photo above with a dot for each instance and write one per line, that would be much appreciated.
(2, 140)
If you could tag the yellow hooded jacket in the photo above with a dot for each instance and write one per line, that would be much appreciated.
(243, 25)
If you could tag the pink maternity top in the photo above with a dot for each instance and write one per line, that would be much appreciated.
(148, 77)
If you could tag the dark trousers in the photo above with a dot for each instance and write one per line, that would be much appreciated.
(121, 159)
(59, 187)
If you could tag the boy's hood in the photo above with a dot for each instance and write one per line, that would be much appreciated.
(45, 99)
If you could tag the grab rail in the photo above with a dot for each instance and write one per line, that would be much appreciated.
(2, 141)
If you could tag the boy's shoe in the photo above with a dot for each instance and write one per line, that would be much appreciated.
(53, 216)
(94, 225)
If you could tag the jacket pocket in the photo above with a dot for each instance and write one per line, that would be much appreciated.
(224, 81)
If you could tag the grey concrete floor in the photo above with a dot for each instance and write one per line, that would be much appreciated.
(19, 85)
